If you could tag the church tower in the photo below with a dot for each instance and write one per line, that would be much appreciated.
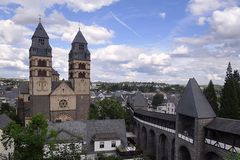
(79, 74)
(40, 63)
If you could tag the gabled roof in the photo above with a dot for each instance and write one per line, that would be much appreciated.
(193, 103)
(88, 129)
(40, 32)
(56, 85)
(4, 121)
(79, 38)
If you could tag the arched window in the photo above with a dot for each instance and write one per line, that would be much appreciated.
(81, 75)
(70, 75)
(42, 63)
(42, 73)
(82, 66)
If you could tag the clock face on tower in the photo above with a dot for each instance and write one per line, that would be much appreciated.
(63, 103)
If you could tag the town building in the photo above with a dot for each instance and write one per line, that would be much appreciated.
(91, 136)
(58, 100)
(5, 153)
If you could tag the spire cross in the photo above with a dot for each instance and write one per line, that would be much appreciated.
(39, 18)
(79, 25)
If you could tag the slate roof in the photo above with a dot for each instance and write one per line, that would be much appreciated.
(23, 87)
(105, 136)
(4, 121)
(40, 32)
(79, 38)
(137, 100)
(226, 125)
(88, 129)
(54, 72)
(158, 115)
(193, 103)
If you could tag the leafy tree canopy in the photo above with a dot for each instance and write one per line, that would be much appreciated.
(28, 141)
(157, 99)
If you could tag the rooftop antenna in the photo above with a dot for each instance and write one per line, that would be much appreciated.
(39, 18)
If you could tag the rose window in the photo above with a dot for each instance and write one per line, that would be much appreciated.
(63, 103)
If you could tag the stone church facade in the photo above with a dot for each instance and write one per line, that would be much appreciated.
(58, 100)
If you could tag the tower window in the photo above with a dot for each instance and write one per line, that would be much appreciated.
(70, 75)
(81, 46)
(81, 75)
(42, 63)
(82, 66)
(41, 41)
(70, 66)
(42, 73)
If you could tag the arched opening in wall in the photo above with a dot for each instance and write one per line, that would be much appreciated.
(184, 153)
(82, 66)
(152, 144)
(42, 63)
(138, 135)
(173, 149)
(144, 139)
(163, 147)
(135, 131)
(42, 73)
(212, 156)
(63, 117)
(82, 75)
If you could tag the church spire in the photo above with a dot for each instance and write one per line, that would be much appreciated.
(79, 38)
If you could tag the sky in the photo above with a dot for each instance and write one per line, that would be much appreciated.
(166, 41)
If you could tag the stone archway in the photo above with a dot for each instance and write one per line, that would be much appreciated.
(184, 153)
(144, 139)
(173, 150)
(151, 144)
(212, 156)
(63, 117)
(138, 135)
(163, 147)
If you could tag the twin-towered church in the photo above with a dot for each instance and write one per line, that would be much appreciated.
(45, 93)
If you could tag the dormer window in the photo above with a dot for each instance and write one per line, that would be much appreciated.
(81, 46)
(41, 41)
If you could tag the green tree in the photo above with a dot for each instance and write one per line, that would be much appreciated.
(93, 112)
(230, 99)
(210, 94)
(232, 156)
(157, 99)
(111, 109)
(28, 141)
(9, 111)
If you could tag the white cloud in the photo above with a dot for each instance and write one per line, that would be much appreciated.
(162, 15)
(201, 7)
(57, 26)
(12, 57)
(202, 21)
(88, 5)
(226, 23)
(116, 53)
(12, 33)
(200, 40)
(181, 50)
